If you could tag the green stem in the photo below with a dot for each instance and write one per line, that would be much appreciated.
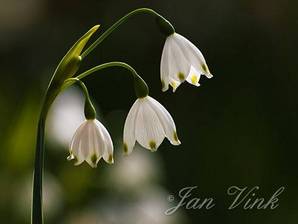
(37, 213)
(141, 87)
(89, 110)
(165, 25)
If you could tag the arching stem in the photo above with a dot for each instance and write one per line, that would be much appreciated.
(164, 24)
(141, 87)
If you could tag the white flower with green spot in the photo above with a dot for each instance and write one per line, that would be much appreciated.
(90, 143)
(148, 123)
(181, 60)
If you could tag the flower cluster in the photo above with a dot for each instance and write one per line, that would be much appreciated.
(147, 122)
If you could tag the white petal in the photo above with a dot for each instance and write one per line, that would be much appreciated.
(108, 144)
(75, 145)
(77, 135)
(97, 147)
(175, 84)
(180, 59)
(166, 120)
(194, 55)
(193, 77)
(91, 157)
(85, 141)
(164, 67)
(79, 156)
(129, 137)
(174, 65)
(178, 64)
(149, 131)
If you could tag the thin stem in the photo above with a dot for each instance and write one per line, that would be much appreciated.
(141, 87)
(89, 110)
(118, 23)
(37, 200)
(70, 81)
(37, 214)
(107, 65)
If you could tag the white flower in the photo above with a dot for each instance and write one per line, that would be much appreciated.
(90, 142)
(181, 60)
(148, 122)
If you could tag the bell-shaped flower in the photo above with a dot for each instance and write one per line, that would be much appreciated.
(181, 60)
(148, 123)
(90, 143)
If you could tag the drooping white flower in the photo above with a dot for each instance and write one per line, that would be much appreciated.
(148, 123)
(90, 143)
(181, 60)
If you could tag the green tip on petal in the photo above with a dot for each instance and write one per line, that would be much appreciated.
(176, 136)
(125, 148)
(176, 139)
(111, 159)
(152, 145)
(94, 159)
(181, 76)
(163, 85)
(204, 67)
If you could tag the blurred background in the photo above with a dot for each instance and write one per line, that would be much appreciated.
(238, 128)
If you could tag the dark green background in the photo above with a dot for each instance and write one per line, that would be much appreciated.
(238, 128)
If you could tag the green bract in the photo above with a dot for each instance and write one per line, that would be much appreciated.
(69, 65)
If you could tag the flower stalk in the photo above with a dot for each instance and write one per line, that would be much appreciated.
(164, 25)
(141, 88)
(89, 109)
(37, 214)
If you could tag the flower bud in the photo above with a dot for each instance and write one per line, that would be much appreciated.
(70, 63)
